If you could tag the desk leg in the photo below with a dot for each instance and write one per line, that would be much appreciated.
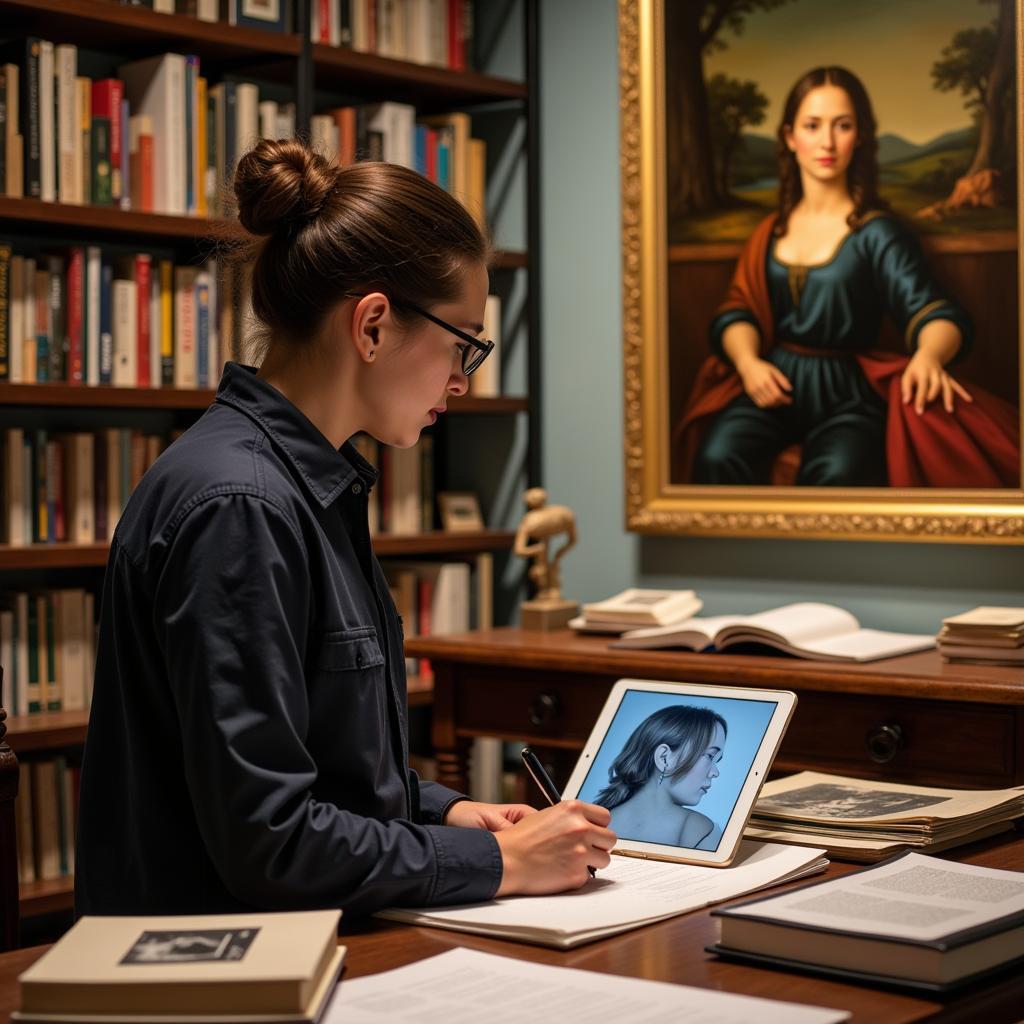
(452, 752)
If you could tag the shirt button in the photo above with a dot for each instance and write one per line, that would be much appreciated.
(359, 658)
(357, 488)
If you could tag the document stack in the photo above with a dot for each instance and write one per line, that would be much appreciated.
(863, 820)
(635, 608)
(984, 636)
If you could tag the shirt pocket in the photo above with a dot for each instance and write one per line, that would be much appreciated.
(349, 650)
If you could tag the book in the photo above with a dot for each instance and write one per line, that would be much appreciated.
(868, 820)
(984, 635)
(638, 606)
(805, 630)
(238, 967)
(644, 891)
(912, 921)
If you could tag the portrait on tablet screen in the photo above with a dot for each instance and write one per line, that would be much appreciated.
(670, 770)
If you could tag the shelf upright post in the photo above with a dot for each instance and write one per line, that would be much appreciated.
(305, 78)
(533, 242)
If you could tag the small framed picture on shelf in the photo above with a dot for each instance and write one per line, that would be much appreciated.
(460, 512)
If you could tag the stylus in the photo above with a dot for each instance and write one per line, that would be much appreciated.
(543, 780)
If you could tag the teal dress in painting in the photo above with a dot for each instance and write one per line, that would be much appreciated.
(824, 314)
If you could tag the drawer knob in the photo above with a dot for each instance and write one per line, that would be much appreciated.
(884, 742)
(545, 708)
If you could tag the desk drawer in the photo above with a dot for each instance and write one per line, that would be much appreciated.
(533, 706)
(928, 742)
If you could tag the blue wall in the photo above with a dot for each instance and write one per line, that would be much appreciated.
(896, 586)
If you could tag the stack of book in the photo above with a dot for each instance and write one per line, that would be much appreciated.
(914, 922)
(984, 636)
(862, 820)
(237, 967)
(636, 608)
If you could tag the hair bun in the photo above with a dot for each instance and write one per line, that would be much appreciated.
(281, 184)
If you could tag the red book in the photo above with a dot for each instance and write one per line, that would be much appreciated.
(146, 172)
(456, 36)
(142, 298)
(107, 94)
(76, 333)
(325, 21)
(371, 24)
(431, 160)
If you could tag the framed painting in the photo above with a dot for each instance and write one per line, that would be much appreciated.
(821, 284)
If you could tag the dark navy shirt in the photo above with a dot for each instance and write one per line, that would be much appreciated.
(247, 742)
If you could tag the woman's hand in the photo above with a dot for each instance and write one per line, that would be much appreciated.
(764, 382)
(493, 817)
(925, 379)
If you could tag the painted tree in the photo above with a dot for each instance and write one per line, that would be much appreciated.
(733, 105)
(979, 63)
(693, 29)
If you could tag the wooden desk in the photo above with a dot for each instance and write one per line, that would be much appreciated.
(910, 719)
(669, 951)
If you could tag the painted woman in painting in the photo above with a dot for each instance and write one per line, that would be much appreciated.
(796, 368)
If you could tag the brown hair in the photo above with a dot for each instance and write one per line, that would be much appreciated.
(327, 232)
(861, 175)
(686, 728)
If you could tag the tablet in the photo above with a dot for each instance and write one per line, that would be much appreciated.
(679, 765)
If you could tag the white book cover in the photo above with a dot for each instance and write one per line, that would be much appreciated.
(164, 6)
(47, 128)
(397, 124)
(16, 336)
(268, 119)
(247, 118)
(486, 381)
(323, 136)
(93, 283)
(123, 317)
(314, 22)
(334, 23)
(406, 490)
(418, 29)
(360, 27)
(438, 21)
(14, 486)
(155, 87)
(285, 121)
(66, 59)
(208, 10)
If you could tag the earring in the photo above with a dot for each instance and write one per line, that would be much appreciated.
(371, 353)
(661, 778)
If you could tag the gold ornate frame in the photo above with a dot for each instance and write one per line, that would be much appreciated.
(653, 504)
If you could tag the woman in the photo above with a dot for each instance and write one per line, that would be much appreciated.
(794, 342)
(247, 745)
(666, 767)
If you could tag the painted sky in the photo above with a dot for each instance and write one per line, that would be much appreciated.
(889, 44)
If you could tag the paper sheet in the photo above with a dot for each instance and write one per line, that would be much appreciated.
(465, 986)
(915, 897)
(627, 893)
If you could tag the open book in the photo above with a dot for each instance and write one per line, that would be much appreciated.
(807, 630)
(628, 893)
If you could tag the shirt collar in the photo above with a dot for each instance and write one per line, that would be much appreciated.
(326, 470)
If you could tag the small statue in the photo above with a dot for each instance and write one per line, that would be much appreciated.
(539, 526)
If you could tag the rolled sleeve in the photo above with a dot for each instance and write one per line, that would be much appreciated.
(469, 865)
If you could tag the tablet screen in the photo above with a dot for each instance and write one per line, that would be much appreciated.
(671, 766)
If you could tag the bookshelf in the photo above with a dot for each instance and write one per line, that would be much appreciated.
(288, 61)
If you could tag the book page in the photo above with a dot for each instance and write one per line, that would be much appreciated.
(915, 897)
(818, 797)
(695, 632)
(464, 986)
(806, 620)
(629, 891)
(868, 644)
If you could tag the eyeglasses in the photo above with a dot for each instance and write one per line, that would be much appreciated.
(474, 352)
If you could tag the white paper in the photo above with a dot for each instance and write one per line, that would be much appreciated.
(464, 986)
(915, 897)
(628, 893)
(868, 644)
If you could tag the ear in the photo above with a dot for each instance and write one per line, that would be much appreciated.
(787, 134)
(661, 755)
(371, 314)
